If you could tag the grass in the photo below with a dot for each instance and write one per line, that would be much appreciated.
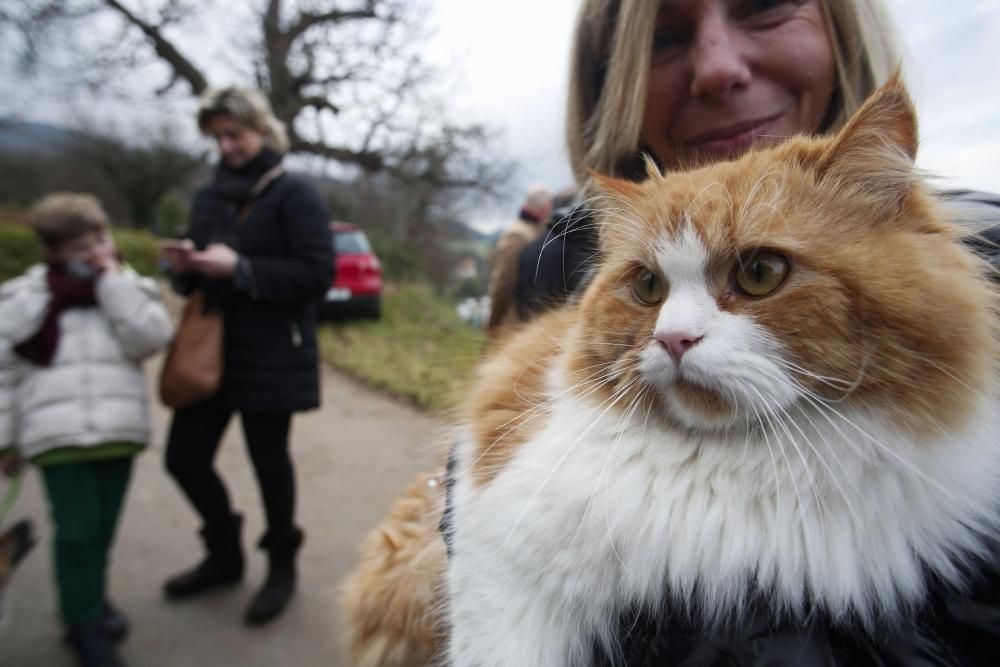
(420, 350)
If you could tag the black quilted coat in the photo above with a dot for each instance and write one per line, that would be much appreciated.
(271, 360)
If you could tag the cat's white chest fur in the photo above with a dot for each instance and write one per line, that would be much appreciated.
(601, 511)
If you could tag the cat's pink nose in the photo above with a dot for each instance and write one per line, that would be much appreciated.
(677, 343)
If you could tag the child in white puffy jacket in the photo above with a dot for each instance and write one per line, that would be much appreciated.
(73, 334)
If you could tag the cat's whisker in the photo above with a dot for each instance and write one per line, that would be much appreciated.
(607, 513)
(834, 478)
(881, 447)
(610, 402)
(726, 196)
(592, 383)
(622, 419)
(768, 416)
(774, 464)
(768, 176)
(595, 380)
(848, 387)
(624, 202)
(775, 412)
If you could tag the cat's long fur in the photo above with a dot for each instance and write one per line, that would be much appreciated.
(393, 600)
(827, 447)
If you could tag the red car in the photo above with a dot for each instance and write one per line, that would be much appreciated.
(357, 287)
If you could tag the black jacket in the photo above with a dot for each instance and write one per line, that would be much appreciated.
(271, 359)
(951, 630)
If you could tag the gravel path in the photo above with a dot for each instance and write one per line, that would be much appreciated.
(352, 457)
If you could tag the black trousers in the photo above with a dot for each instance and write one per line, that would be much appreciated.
(195, 434)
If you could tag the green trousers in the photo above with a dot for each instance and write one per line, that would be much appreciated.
(85, 500)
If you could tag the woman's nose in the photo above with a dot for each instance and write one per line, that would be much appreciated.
(718, 63)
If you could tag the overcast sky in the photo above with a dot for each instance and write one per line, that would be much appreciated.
(511, 59)
(515, 53)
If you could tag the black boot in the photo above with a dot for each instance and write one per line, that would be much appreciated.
(91, 644)
(222, 566)
(279, 587)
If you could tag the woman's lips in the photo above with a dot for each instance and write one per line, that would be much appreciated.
(733, 139)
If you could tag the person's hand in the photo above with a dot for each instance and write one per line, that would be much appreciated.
(10, 463)
(216, 261)
(177, 254)
(105, 257)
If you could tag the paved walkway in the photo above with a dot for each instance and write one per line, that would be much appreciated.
(352, 457)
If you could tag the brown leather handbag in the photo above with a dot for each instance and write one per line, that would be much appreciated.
(192, 370)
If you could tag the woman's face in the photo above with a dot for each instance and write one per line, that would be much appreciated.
(238, 144)
(727, 74)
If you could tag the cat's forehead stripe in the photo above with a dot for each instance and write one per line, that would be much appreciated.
(683, 256)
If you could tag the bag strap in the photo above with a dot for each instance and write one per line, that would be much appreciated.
(265, 180)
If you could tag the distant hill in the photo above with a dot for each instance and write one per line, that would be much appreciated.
(460, 231)
(32, 138)
(24, 137)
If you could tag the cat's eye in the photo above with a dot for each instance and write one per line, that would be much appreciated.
(648, 287)
(762, 273)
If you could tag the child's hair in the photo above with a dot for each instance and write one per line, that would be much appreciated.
(64, 216)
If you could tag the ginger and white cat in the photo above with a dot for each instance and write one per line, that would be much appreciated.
(777, 399)
(779, 388)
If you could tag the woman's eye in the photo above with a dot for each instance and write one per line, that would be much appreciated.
(668, 37)
(749, 9)
(762, 273)
(647, 287)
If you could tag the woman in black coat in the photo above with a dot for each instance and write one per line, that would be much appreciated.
(260, 250)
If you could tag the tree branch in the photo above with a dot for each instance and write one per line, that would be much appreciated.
(366, 160)
(309, 19)
(317, 102)
(182, 67)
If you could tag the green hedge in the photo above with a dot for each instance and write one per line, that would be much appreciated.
(19, 249)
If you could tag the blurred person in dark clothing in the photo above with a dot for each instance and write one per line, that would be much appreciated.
(530, 223)
(260, 250)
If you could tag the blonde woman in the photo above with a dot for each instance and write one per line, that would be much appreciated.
(260, 250)
(687, 82)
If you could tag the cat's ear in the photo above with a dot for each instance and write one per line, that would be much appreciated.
(874, 153)
(610, 228)
(610, 186)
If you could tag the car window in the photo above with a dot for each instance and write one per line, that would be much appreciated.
(351, 242)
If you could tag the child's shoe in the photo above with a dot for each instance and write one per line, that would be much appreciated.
(115, 622)
(92, 646)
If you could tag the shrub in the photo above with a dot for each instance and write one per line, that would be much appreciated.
(19, 249)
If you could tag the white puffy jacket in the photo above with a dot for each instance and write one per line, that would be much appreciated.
(94, 392)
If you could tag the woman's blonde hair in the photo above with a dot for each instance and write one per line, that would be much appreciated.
(247, 105)
(610, 68)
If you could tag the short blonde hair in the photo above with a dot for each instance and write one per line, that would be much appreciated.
(65, 216)
(610, 65)
(247, 105)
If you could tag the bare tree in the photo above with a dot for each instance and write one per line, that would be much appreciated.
(344, 75)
